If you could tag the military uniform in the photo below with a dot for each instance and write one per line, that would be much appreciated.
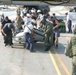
(71, 52)
(18, 11)
(48, 31)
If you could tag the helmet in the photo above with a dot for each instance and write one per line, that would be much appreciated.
(33, 21)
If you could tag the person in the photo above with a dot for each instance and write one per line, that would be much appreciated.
(54, 16)
(6, 20)
(24, 11)
(39, 19)
(68, 23)
(70, 51)
(7, 32)
(18, 11)
(28, 34)
(48, 32)
(33, 15)
(27, 19)
(40, 15)
(19, 21)
(55, 29)
(2, 18)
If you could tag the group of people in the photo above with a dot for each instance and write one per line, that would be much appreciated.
(48, 25)
(6, 29)
(27, 22)
(51, 32)
(50, 29)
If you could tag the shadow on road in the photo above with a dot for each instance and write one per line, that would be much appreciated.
(39, 47)
(61, 48)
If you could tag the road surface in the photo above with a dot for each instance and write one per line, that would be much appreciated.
(20, 61)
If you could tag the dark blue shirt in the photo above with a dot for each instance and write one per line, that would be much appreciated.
(7, 28)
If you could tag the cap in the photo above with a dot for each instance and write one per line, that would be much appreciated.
(28, 14)
(32, 11)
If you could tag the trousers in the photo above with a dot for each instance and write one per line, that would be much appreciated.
(29, 41)
(8, 39)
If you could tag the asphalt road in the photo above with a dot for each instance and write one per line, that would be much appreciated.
(20, 61)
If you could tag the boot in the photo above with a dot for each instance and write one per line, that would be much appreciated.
(47, 48)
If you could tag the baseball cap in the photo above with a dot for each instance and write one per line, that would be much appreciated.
(28, 14)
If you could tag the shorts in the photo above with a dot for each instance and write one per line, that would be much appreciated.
(57, 33)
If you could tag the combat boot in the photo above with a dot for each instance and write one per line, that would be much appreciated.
(47, 48)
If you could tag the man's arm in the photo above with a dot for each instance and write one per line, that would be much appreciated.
(3, 32)
(0, 26)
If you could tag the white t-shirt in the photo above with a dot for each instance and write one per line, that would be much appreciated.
(40, 16)
(68, 17)
(28, 28)
(27, 20)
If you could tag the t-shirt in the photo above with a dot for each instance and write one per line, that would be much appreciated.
(27, 20)
(68, 17)
(7, 28)
(28, 28)
(40, 16)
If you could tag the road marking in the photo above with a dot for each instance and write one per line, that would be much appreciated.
(55, 65)
(62, 63)
(65, 68)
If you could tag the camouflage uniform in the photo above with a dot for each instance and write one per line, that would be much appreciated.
(48, 31)
(18, 11)
(71, 52)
